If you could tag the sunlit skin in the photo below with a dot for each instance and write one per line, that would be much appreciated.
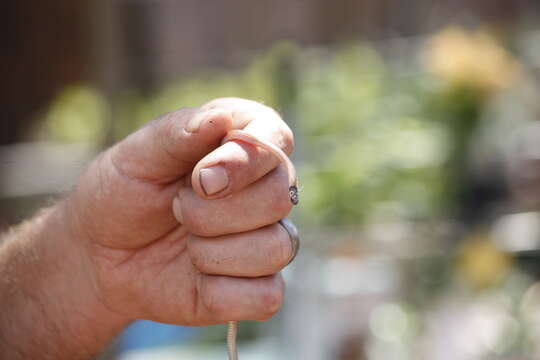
(139, 238)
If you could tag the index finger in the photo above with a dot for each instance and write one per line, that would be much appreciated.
(236, 164)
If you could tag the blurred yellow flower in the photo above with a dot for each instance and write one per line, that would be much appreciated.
(480, 262)
(470, 58)
(78, 114)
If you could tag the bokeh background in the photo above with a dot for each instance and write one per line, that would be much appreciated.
(418, 148)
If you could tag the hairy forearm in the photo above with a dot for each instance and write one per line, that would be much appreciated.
(48, 306)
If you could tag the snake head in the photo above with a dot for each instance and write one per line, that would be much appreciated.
(293, 194)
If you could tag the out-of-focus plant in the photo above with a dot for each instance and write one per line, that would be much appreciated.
(374, 144)
(469, 67)
(471, 59)
(370, 152)
(481, 263)
(370, 147)
(77, 115)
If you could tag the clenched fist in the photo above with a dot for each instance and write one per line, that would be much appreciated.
(168, 225)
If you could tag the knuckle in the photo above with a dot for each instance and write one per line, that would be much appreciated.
(271, 301)
(286, 140)
(210, 297)
(167, 126)
(281, 205)
(167, 131)
(284, 135)
(195, 222)
(281, 249)
(219, 102)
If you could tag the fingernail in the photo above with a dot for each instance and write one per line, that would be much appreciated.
(213, 179)
(194, 124)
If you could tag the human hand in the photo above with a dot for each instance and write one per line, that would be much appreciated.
(217, 256)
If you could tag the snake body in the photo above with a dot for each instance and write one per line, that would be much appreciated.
(231, 340)
(240, 135)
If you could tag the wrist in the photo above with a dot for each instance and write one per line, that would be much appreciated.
(52, 297)
(74, 283)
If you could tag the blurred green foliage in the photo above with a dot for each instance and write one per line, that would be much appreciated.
(77, 115)
(370, 148)
(370, 152)
(375, 145)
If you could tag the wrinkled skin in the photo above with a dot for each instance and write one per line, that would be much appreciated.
(157, 249)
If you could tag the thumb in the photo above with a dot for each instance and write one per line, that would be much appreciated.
(167, 148)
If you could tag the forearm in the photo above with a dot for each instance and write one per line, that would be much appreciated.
(48, 306)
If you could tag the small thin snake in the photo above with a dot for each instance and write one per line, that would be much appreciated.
(293, 195)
